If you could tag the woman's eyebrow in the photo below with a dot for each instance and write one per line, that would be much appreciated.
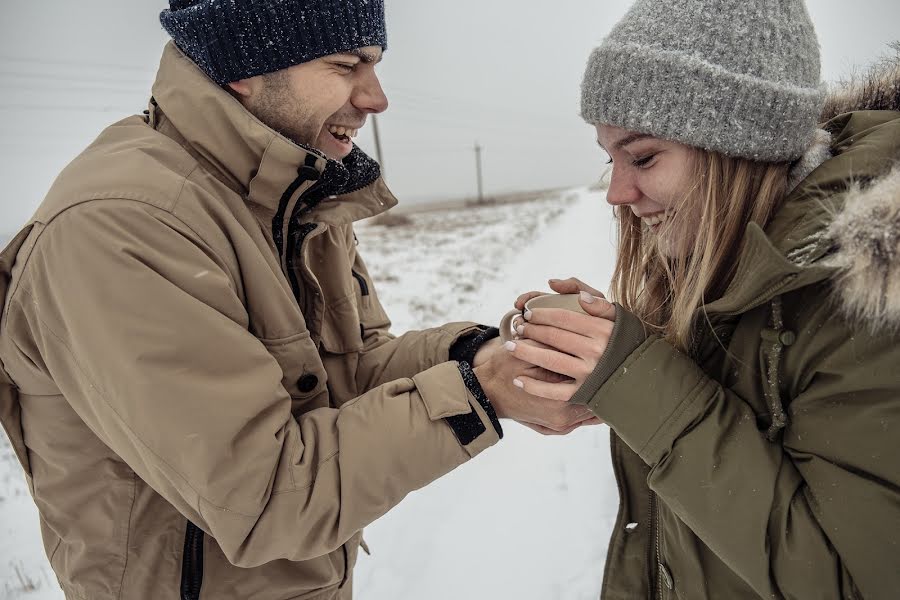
(628, 139)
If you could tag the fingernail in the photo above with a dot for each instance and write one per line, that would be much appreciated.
(520, 329)
(527, 315)
(554, 281)
(518, 383)
(510, 346)
(585, 297)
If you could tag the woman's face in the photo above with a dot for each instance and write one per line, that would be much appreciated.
(651, 177)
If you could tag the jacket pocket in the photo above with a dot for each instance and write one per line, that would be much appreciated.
(192, 563)
(303, 374)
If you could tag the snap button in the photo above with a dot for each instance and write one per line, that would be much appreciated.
(307, 383)
(787, 338)
(666, 576)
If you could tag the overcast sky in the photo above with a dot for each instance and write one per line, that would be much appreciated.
(505, 73)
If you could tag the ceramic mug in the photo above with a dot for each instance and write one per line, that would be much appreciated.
(566, 301)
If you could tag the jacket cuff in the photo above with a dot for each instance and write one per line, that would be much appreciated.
(466, 347)
(474, 387)
(627, 335)
(653, 398)
(448, 396)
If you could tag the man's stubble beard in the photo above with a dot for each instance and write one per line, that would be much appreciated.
(278, 108)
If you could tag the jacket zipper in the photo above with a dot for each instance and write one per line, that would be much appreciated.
(192, 563)
(363, 286)
(295, 241)
(617, 471)
(654, 518)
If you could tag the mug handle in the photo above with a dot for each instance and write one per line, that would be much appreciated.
(506, 330)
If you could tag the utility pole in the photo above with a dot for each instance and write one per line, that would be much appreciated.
(378, 153)
(478, 149)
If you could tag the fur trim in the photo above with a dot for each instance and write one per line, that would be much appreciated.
(817, 153)
(878, 88)
(867, 236)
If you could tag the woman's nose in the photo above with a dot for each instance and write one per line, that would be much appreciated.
(622, 188)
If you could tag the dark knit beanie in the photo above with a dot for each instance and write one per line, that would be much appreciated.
(232, 40)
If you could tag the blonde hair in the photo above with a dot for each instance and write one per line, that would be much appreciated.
(665, 292)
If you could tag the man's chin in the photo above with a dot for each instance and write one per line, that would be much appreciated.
(334, 148)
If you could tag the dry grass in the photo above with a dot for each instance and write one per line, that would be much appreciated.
(876, 88)
(392, 219)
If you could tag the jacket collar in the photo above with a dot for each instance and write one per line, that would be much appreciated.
(252, 158)
(802, 246)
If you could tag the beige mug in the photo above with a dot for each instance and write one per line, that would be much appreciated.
(566, 301)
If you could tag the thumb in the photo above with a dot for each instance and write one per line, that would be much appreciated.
(573, 285)
(598, 307)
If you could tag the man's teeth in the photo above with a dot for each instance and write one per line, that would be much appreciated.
(343, 131)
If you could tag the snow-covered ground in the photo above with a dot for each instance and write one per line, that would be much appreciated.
(528, 519)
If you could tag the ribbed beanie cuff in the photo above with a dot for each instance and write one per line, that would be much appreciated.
(738, 78)
(675, 96)
(232, 40)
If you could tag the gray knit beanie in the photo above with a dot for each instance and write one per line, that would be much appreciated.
(232, 40)
(739, 77)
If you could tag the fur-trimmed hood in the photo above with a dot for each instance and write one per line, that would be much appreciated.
(843, 216)
(866, 234)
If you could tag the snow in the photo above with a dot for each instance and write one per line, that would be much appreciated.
(528, 519)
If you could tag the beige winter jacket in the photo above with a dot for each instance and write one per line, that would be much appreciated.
(205, 394)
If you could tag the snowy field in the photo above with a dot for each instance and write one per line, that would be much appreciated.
(530, 518)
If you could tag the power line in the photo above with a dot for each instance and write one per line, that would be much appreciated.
(74, 63)
(55, 77)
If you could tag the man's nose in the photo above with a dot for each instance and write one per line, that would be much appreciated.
(622, 188)
(369, 95)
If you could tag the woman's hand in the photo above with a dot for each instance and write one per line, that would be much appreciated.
(574, 342)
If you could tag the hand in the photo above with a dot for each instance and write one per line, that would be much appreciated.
(573, 345)
(547, 431)
(485, 351)
(496, 376)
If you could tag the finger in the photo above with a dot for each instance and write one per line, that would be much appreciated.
(545, 375)
(578, 323)
(573, 285)
(547, 431)
(573, 344)
(549, 359)
(591, 421)
(561, 392)
(521, 300)
(598, 306)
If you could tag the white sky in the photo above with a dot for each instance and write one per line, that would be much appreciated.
(503, 72)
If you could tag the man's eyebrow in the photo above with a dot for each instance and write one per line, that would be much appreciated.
(366, 57)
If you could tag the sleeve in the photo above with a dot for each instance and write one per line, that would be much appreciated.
(141, 327)
(790, 517)
(386, 357)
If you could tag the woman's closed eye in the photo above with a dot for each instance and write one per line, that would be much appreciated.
(644, 161)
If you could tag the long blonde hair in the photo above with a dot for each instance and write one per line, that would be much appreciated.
(666, 292)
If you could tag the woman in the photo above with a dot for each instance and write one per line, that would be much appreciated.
(750, 369)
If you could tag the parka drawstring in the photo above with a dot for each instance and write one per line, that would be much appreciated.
(775, 338)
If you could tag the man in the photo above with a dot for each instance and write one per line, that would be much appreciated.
(201, 385)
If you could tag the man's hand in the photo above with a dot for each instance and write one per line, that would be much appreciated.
(496, 377)
(486, 350)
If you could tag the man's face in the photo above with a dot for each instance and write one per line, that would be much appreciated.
(322, 103)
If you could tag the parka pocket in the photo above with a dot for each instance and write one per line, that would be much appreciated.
(303, 374)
